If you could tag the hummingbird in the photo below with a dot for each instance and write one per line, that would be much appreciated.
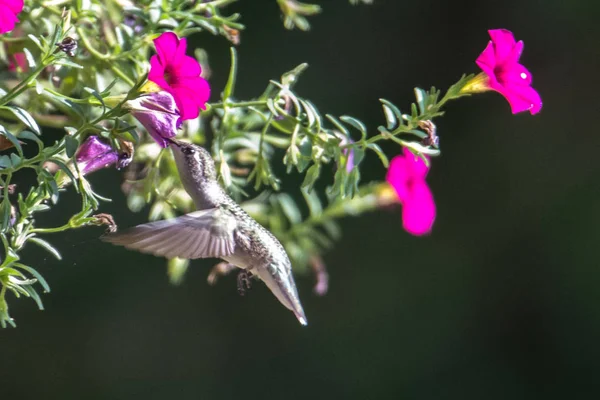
(219, 228)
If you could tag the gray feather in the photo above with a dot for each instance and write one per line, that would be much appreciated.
(200, 234)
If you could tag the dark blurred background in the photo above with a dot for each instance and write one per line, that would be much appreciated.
(501, 301)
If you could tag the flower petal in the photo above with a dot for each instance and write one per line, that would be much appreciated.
(515, 54)
(415, 164)
(398, 176)
(157, 72)
(157, 113)
(16, 6)
(179, 55)
(517, 74)
(166, 47)
(504, 42)
(100, 162)
(7, 19)
(487, 59)
(91, 148)
(188, 67)
(523, 98)
(418, 210)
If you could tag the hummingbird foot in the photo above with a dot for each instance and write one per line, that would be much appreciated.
(219, 270)
(243, 282)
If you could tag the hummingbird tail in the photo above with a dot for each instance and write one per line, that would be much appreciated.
(284, 288)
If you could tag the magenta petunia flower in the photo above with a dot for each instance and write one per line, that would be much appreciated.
(407, 174)
(157, 113)
(8, 14)
(179, 74)
(18, 61)
(500, 63)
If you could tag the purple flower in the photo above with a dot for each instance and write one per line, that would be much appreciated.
(94, 154)
(158, 113)
(348, 152)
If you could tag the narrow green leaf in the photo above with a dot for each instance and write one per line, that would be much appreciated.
(230, 86)
(375, 147)
(5, 212)
(395, 118)
(420, 95)
(36, 274)
(337, 124)
(356, 124)
(314, 204)
(47, 246)
(24, 117)
(36, 41)
(289, 208)
(312, 174)
(30, 59)
(68, 63)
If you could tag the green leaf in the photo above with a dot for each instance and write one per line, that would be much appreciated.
(30, 59)
(356, 124)
(68, 63)
(289, 208)
(15, 159)
(337, 124)
(66, 170)
(421, 95)
(36, 275)
(230, 86)
(5, 213)
(375, 147)
(94, 93)
(392, 113)
(5, 162)
(311, 177)
(36, 41)
(12, 139)
(47, 246)
(27, 135)
(314, 204)
(71, 145)
(176, 270)
(24, 117)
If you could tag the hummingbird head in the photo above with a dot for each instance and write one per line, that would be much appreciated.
(194, 163)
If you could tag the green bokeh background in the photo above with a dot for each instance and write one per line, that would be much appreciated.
(502, 301)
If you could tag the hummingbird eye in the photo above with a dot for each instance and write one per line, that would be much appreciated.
(188, 150)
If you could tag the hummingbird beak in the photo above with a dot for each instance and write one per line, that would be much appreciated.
(173, 141)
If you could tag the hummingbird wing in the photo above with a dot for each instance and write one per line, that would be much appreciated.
(200, 234)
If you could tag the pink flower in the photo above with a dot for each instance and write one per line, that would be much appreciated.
(8, 14)
(500, 62)
(179, 75)
(18, 61)
(407, 174)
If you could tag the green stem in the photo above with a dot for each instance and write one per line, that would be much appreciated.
(121, 74)
(51, 230)
(22, 86)
(239, 105)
